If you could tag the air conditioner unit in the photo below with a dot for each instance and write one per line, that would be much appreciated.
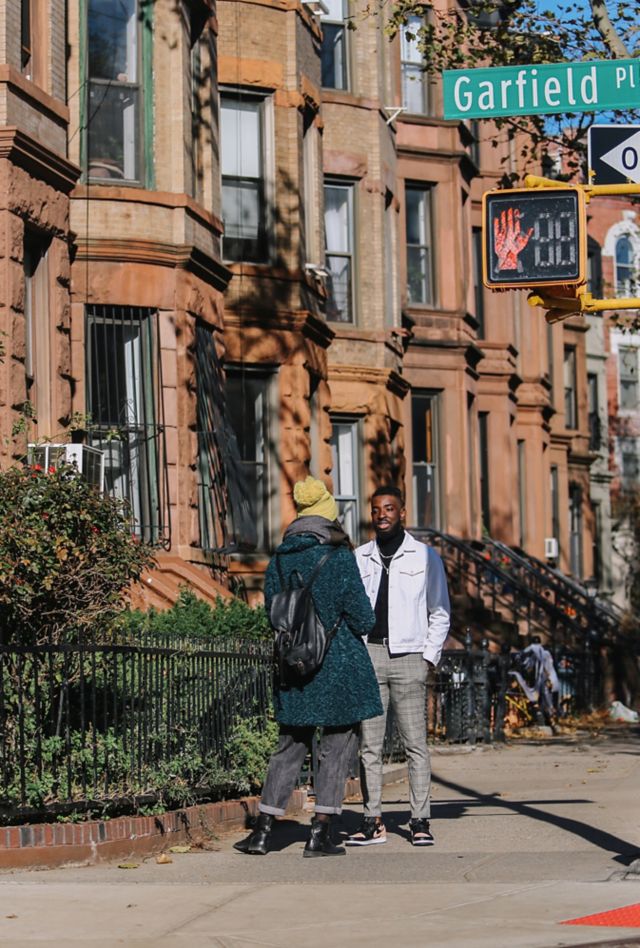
(551, 548)
(89, 461)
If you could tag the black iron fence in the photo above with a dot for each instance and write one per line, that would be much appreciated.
(84, 725)
(88, 722)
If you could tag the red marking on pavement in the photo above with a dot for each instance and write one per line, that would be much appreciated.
(626, 917)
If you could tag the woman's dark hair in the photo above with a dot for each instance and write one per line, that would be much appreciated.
(389, 490)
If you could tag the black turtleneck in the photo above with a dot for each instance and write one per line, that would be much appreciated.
(386, 548)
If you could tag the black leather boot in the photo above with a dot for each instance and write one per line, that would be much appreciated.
(256, 843)
(319, 842)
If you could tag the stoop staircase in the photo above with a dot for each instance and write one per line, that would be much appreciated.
(509, 596)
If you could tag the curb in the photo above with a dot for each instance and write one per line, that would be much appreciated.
(53, 844)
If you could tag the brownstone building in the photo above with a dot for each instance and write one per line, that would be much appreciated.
(241, 243)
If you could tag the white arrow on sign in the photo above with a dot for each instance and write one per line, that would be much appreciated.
(625, 158)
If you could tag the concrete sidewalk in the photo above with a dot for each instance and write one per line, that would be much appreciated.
(526, 837)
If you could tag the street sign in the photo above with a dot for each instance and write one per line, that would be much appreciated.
(540, 90)
(534, 237)
(614, 154)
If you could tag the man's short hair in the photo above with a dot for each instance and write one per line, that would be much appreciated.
(389, 490)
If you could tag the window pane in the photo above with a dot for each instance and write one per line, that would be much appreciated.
(339, 248)
(413, 89)
(113, 131)
(339, 303)
(334, 56)
(337, 219)
(409, 40)
(241, 138)
(418, 267)
(113, 40)
(625, 282)
(416, 215)
(335, 11)
(344, 452)
(425, 470)
(247, 401)
(241, 209)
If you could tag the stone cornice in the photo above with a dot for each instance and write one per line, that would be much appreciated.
(370, 375)
(38, 160)
(155, 253)
(40, 100)
(133, 195)
(304, 322)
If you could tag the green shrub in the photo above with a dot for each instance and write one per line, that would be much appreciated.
(194, 618)
(67, 555)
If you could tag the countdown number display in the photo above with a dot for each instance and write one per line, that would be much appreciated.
(533, 237)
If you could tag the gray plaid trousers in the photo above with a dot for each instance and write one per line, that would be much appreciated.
(403, 683)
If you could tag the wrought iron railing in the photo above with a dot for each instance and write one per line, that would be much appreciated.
(480, 573)
(93, 722)
(600, 617)
(92, 726)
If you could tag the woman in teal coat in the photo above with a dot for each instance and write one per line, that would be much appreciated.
(343, 692)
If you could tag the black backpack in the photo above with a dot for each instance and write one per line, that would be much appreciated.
(301, 640)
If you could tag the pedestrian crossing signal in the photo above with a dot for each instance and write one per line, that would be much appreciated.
(534, 238)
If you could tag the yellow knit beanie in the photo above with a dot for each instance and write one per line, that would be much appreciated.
(314, 500)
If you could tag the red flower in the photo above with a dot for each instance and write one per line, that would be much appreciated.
(52, 469)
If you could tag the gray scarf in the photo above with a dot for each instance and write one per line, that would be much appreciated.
(325, 531)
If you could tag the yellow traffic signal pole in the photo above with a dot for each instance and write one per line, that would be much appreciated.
(583, 302)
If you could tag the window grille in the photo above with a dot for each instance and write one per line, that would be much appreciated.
(125, 407)
(227, 520)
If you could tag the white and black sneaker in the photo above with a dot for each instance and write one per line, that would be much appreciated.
(421, 835)
(371, 833)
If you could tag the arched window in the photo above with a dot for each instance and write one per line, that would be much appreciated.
(625, 282)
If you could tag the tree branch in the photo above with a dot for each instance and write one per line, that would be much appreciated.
(607, 30)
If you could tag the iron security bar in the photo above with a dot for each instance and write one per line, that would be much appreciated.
(126, 411)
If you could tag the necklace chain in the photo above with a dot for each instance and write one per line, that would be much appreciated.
(383, 557)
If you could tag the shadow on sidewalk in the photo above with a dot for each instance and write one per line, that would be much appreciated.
(625, 852)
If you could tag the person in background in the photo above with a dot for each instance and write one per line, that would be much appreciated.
(343, 692)
(407, 586)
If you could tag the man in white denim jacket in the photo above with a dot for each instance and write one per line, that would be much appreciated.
(407, 587)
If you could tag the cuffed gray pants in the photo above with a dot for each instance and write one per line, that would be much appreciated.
(335, 751)
(403, 683)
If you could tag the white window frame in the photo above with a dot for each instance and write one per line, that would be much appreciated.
(266, 178)
(346, 452)
(625, 341)
(571, 420)
(348, 255)
(424, 246)
(625, 285)
(628, 446)
(412, 68)
(432, 470)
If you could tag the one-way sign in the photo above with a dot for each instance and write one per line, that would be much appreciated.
(614, 154)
